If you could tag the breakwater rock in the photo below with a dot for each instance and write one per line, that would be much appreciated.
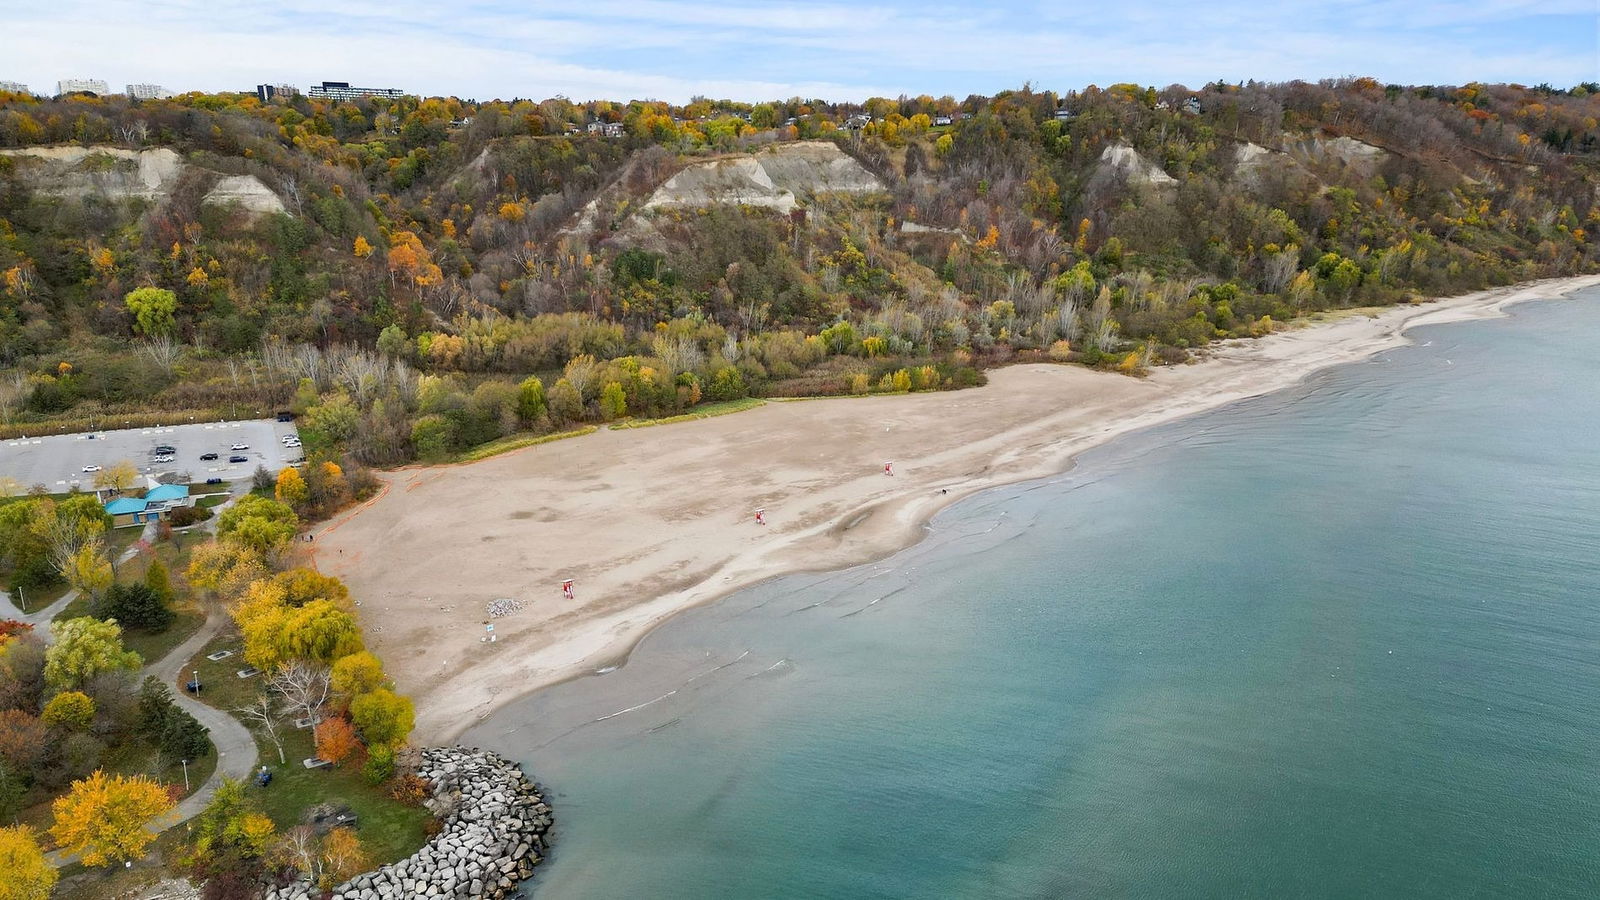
(495, 831)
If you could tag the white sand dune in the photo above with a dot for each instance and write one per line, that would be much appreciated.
(651, 521)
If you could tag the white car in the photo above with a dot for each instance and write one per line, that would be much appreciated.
(91, 469)
(240, 447)
(165, 459)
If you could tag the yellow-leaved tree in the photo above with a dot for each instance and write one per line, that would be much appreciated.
(103, 817)
(28, 875)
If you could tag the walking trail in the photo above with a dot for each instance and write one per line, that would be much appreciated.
(236, 748)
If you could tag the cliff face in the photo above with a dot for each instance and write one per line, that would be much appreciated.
(118, 174)
(773, 178)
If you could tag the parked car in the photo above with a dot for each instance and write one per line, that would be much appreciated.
(91, 468)
(208, 456)
(165, 458)
(286, 417)
(240, 447)
(213, 481)
(166, 448)
(238, 459)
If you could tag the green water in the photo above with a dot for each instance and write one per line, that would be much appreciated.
(1342, 641)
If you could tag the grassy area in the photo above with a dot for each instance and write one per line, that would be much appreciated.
(707, 411)
(517, 442)
(390, 830)
(210, 500)
(152, 646)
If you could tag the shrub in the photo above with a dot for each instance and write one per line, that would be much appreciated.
(411, 789)
(134, 605)
(69, 709)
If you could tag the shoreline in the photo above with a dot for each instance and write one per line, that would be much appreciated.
(829, 510)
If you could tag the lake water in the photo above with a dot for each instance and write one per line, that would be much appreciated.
(1341, 641)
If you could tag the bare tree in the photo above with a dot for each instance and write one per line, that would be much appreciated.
(304, 687)
(301, 850)
(163, 351)
(260, 714)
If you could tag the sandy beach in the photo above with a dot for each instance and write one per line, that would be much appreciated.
(650, 521)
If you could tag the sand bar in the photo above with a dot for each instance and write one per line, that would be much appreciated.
(651, 521)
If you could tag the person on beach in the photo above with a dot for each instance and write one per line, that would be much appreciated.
(566, 589)
(761, 517)
(888, 468)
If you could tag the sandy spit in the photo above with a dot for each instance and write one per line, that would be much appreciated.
(651, 521)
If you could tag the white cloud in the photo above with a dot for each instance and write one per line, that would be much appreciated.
(672, 49)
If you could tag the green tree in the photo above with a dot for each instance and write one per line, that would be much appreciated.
(157, 579)
(566, 402)
(69, 709)
(263, 525)
(86, 647)
(433, 437)
(135, 605)
(182, 736)
(393, 343)
(155, 705)
(321, 631)
(531, 403)
(232, 831)
(613, 402)
(152, 309)
(383, 717)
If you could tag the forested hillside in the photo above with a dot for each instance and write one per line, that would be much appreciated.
(422, 276)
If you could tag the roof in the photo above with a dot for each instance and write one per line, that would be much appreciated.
(167, 492)
(124, 505)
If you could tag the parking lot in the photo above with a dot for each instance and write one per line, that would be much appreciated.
(57, 461)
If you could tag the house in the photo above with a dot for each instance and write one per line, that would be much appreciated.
(1065, 115)
(859, 120)
(1191, 106)
(607, 129)
(156, 504)
(939, 121)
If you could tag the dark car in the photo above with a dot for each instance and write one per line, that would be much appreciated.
(238, 459)
(165, 449)
(286, 417)
(208, 456)
(213, 481)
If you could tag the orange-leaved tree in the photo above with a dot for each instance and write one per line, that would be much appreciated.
(336, 740)
(103, 817)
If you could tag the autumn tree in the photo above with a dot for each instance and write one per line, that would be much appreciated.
(344, 856)
(291, 488)
(152, 309)
(383, 717)
(69, 709)
(103, 818)
(86, 647)
(232, 832)
(335, 739)
(21, 739)
(263, 525)
(28, 875)
(119, 476)
(224, 568)
(88, 570)
(357, 674)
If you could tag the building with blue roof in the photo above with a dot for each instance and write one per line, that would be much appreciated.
(156, 504)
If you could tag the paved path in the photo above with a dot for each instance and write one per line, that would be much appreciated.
(236, 747)
(43, 619)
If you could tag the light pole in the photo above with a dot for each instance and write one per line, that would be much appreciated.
(186, 776)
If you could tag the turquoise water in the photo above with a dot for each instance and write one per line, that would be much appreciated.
(1341, 641)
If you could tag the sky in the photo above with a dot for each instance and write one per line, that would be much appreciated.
(751, 50)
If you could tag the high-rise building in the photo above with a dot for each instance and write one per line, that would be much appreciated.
(15, 87)
(341, 90)
(148, 92)
(92, 85)
(265, 92)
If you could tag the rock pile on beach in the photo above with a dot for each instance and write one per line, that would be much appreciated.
(505, 606)
(495, 829)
